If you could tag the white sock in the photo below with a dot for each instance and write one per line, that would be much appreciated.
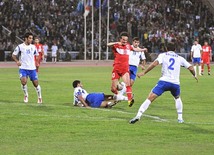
(143, 108)
(24, 88)
(120, 97)
(179, 107)
(195, 70)
(199, 70)
(39, 91)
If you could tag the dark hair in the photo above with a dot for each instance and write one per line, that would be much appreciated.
(135, 39)
(28, 34)
(75, 83)
(124, 34)
(170, 46)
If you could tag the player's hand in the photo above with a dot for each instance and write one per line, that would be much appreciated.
(18, 63)
(140, 74)
(143, 67)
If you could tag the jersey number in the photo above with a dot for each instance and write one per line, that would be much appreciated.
(172, 61)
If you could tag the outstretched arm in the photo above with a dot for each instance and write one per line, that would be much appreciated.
(112, 43)
(140, 49)
(151, 66)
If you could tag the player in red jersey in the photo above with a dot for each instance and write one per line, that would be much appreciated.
(121, 52)
(206, 57)
(40, 50)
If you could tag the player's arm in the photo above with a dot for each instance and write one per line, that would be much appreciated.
(151, 66)
(14, 56)
(192, 71)
(112, 43)
(140, 49)
(81, 99)
(16, 60)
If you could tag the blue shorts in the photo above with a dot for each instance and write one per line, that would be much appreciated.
(95, 99)
(163, 86)
(28, 73)
(133, 72)
(196, 60)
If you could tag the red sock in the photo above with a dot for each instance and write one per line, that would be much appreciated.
(129, 92)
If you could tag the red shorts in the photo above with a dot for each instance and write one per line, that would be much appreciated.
(119, 72)
(205, 60)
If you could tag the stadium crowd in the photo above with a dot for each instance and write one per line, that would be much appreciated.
(62, 22)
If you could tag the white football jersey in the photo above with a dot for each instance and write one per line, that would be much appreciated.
(27, 55)
(45, 47)
(171, 63)
(196, 49)
(77, 92)
(135, 57)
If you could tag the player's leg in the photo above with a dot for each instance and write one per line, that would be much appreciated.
(199, 66)
(202, 67)
(133, 74)
(144, 106)
(155, 93)
(23, 79)
(175, 91)
(126, 79)
(209, 68)
(34, 79)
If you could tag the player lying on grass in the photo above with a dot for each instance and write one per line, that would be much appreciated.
(94, 100)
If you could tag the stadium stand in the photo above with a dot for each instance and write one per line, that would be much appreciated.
(154, 22)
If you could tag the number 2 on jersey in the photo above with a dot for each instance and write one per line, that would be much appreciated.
(172, 61)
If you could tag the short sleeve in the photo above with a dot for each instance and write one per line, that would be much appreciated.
(160, 58)
(16, 51)
(184, 63)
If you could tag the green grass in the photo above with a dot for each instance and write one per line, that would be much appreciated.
(57, 127)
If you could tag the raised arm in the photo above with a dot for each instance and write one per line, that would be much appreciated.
(112, 43)
(140, 49)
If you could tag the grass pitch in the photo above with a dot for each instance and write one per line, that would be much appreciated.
(58, 128)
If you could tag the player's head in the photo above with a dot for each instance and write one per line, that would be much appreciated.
(196, 42)
(36, 40)
(205, 43)
(170, 46)
(28, 37)
(76, 83)
(124, 38)
(135, 41)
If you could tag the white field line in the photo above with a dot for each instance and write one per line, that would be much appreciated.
(156, 118)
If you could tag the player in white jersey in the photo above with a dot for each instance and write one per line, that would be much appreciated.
(27, 67)
(169, 81)
(196, 52)
(95, 100)
(54, 49)
(45, 48)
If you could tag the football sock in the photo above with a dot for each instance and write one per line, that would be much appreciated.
(179, 107)
(129, 92)
(199, 70)
(208, 66)
(202, 68)
(143, 107)
(195, 70)
(39, 91)
(24, 88)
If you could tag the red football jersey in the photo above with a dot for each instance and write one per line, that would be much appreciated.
(121, 55)
(206, 51)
